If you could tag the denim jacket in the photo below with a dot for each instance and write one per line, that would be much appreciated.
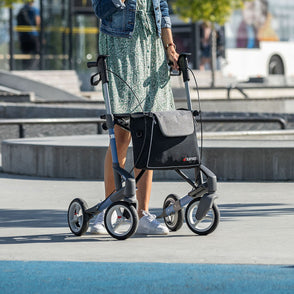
(118, 18)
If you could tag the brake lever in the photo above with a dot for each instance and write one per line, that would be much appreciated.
(173, 72)
(94, 81)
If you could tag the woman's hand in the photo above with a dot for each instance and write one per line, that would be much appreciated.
(173, 56)
(170, 47)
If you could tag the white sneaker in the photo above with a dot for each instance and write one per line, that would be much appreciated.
(98, 227)
(148, 225)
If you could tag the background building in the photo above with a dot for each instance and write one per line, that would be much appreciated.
(68, 38)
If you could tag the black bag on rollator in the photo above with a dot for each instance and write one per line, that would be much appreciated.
(164, 140)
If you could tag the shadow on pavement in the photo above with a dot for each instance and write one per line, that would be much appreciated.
(70, 238)
(32, 218)
(52, 238)
(10, 218)
(234, 211)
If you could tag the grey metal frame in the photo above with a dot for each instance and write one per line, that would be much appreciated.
(125, 184)
(201, 188)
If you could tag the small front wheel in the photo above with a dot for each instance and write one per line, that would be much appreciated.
(174, 221)
(121, 220)
(78, 219)
(207, 224)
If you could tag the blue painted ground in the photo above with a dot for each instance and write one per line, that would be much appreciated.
(93, 277)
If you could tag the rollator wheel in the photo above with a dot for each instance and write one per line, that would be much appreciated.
(121, 220)
(174, 221)
(77, 218)
(206, 225)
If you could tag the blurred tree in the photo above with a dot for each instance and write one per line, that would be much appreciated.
(9, 2)
(213, 11)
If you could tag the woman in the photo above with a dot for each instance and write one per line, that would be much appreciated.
(136, 34)
(205, 45)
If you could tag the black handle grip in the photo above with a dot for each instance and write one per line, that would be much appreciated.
(183, 64)
(183, 67)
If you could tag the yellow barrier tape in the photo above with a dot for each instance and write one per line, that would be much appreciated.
(87, 30)
(35, 56)
(66, 30)
(26, 29)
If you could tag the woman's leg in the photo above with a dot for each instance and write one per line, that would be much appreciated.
(144, 190)
(123, 138)
(148, 224)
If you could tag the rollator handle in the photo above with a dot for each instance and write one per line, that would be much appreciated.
(101, 68)
(183, 67)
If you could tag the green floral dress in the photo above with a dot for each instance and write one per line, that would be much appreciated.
(141, 62)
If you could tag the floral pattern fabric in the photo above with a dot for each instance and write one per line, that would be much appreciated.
(140, 61)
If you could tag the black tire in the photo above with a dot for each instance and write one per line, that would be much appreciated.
(121, 220)
(205, 226)
(174, 221)
(77, 218)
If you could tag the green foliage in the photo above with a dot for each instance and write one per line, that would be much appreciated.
(9, 3)
(215, 11)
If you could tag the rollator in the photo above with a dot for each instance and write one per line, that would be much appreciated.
(161, 141)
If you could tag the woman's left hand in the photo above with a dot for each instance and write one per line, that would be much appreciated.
(173, 56)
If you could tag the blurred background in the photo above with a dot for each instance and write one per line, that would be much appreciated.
(242, 57)
(67, 35)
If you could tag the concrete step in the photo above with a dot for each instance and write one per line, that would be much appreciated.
(42, 91)
(66, 80)
(82, 157)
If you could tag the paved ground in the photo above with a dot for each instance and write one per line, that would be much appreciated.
(250, 252)
(252, 248)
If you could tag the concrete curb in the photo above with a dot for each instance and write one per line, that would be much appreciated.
(82, 157)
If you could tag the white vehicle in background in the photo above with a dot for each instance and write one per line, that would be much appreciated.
(260, 40)
(272, 58)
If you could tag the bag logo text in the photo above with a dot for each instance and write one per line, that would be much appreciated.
(188, 159)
